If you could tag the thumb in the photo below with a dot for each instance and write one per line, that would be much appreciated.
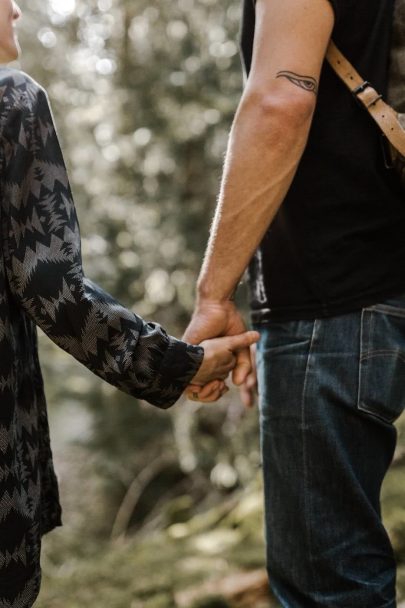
(192, 335)
(242, 341)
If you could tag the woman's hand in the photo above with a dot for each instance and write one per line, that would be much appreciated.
(207, 394)
(217, 388)
(220, 358)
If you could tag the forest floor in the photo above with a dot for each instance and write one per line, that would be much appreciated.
(213, 560)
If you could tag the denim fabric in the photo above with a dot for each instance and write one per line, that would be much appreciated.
(330, 391)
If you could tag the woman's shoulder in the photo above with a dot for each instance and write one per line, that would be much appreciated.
(18, 79)
(18, 88)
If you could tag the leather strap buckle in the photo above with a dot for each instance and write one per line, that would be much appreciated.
(382, 113)
(362, 87)
(365, 102)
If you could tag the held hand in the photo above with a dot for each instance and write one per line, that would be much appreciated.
(207, 394)
(216, 389)
(212, 319)
(220, 356)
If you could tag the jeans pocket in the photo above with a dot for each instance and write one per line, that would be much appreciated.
(381, 390)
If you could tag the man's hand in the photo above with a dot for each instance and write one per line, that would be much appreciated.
(212, 319)
(265, 145)
(248, 390)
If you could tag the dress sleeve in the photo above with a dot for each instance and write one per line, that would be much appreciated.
(42, 251)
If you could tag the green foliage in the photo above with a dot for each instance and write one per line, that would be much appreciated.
(143, 97)
(157, 569)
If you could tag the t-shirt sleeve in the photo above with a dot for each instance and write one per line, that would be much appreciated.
(337, 9)
(336, 5)
(42, 252)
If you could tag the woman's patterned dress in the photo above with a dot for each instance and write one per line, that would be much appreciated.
(42, 283)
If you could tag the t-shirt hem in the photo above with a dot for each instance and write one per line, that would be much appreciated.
(332, 309)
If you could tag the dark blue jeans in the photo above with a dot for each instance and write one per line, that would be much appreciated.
(330, 390)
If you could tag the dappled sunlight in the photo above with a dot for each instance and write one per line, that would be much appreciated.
(160, 509)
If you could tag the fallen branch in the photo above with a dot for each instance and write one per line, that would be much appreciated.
(243, 589)
(134, 493)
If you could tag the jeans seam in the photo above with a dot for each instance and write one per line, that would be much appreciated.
(361, 358)
(382, 352)
(366, 353)
(387, 309)
(304, 450)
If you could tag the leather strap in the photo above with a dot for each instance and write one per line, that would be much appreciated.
(383, 114)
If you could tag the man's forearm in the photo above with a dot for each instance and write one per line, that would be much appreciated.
(266, 142)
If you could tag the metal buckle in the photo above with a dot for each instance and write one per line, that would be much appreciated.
(362, 87)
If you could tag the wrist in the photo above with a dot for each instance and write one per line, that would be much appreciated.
(204, 300)
(212, 294)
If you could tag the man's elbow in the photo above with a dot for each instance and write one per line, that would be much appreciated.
(291, 110)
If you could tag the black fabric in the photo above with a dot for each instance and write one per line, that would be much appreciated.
(42, 283)
(337, 242)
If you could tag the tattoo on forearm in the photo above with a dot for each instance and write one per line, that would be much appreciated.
(304, 82)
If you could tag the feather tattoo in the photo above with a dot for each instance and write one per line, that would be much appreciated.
(304, 82)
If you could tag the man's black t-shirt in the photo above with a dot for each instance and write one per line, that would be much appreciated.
(337, 242)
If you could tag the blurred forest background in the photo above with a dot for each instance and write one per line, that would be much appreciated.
(161, 509)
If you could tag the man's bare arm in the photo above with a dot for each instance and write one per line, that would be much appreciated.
(268, 135)
(267, 139)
